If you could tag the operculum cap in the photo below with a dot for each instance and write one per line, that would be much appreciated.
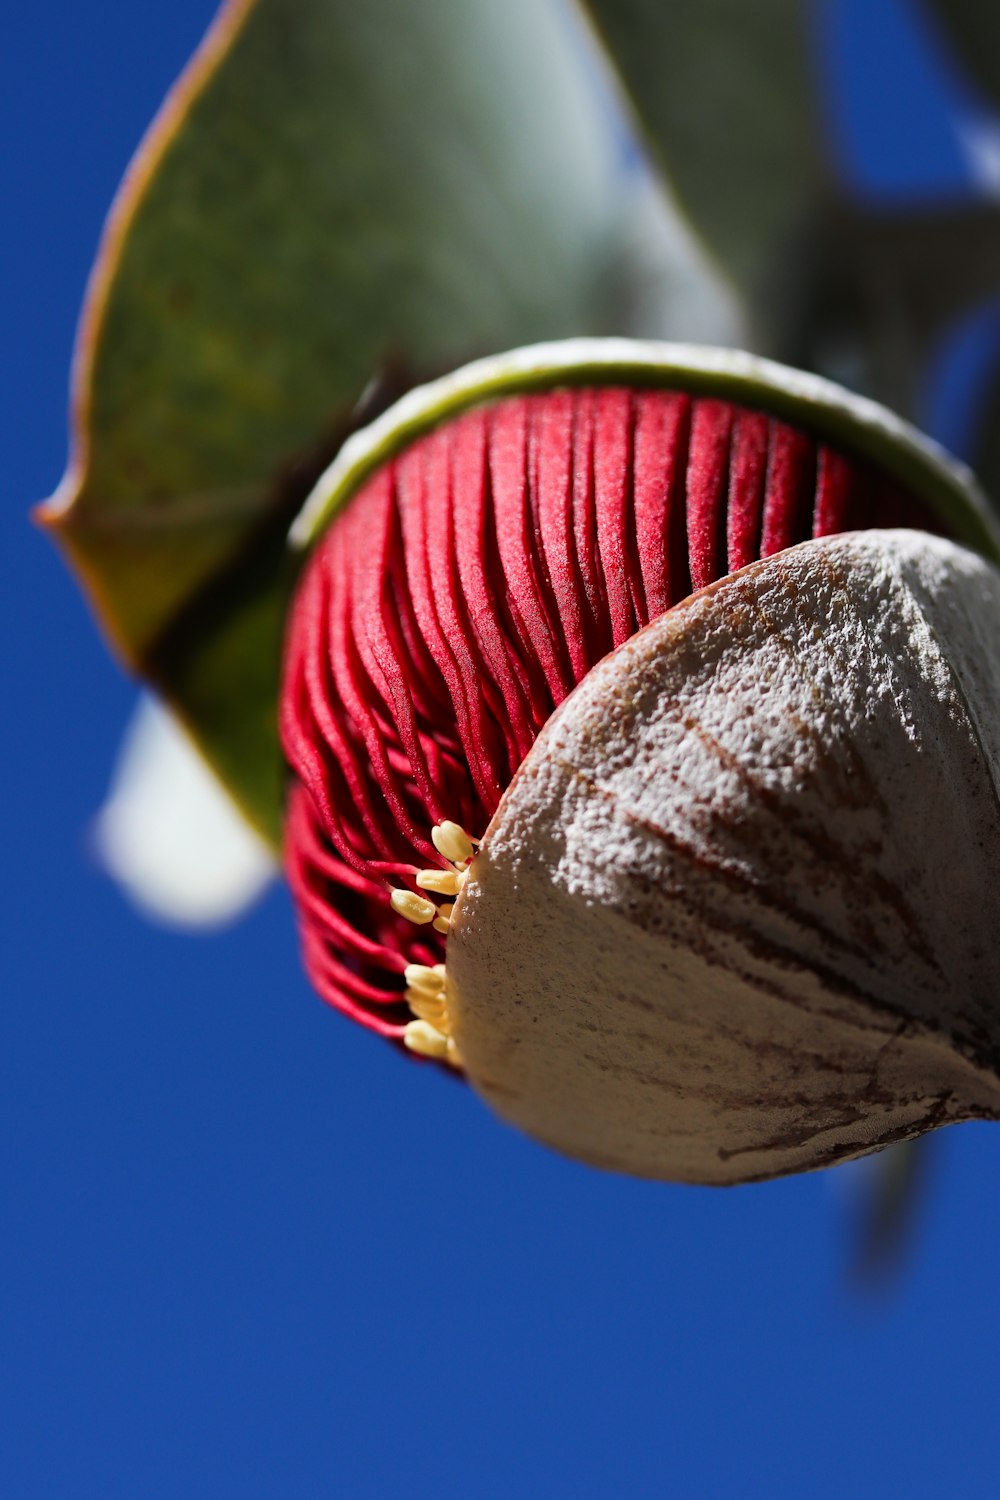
(736, 915)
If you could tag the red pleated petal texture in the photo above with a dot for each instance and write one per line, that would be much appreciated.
(463, 593)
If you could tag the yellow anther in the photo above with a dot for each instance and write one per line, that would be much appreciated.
(442, 920)
(430, 1033)
(426, 989)
(452, 841)
(414, 908)
(429, 1008)
(427, 981)
(422, 1037)
(442, 882)
(426, 998)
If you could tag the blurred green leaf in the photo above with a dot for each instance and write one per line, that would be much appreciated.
(907, 274)
(985, 437)
(971, 29)
(730, 98)
(725, 92)
(332, 192)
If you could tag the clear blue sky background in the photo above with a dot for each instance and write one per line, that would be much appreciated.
(249, 1252)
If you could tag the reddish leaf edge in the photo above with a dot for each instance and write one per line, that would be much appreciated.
(58, 514)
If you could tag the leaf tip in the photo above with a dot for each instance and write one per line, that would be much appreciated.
(52, 514)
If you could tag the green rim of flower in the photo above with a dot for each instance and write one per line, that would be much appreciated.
(857, 424)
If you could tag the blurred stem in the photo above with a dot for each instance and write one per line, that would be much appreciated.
(890, 281)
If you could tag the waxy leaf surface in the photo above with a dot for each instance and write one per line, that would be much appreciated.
(725, 92)
(333, 193)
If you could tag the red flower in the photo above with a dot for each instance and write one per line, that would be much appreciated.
(461, 596)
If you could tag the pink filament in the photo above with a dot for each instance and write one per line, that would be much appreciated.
(468, 587)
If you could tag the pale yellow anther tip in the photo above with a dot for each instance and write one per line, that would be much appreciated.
(413, 907)
(422, 1037)
(442, 882)
(427, 981)
(452, 841)
(428, 1008)
(442, 921)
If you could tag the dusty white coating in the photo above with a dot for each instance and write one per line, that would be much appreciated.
(738, 914)
(744, 374)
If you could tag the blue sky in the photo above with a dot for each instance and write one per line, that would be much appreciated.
(250, 1252)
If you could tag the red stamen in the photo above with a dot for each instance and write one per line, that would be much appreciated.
(468, 587)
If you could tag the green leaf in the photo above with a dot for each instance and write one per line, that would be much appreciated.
(916, 271)
(726, 95)
(730, 98)
(971, 30)
(984, 437)
(332, 192)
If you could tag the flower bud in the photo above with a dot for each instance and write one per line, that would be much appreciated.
(751, 870)
(477, 553)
